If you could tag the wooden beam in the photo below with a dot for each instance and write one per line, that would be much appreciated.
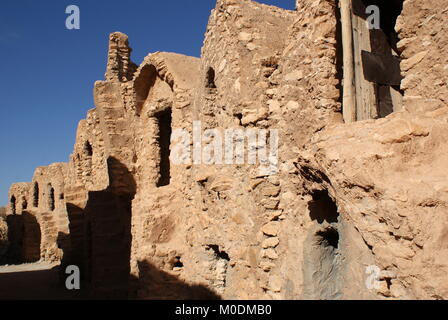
(349, 91)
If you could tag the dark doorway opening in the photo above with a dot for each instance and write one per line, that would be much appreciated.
(371, 68)
(31, 238)
(389, 12)
(382, 64)
(164, 120)
(24, 237)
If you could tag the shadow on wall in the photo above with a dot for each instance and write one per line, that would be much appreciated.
(100, 245)
(24, 237)
(322, 207)
(3, 234)
(100, 235)
(322, 268)
(160, 285)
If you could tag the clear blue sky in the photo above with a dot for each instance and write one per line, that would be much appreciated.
(47, 71)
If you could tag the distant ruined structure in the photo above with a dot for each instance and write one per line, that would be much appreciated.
(362, 185)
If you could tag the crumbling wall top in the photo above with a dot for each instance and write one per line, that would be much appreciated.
(119, 65)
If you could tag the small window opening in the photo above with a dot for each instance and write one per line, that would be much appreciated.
(178, 263)
(24, 204)
(13, 205)
(61, 196)
(210, 79)
(36, 195)
(164, 140)
(239, 116)
(88, 150)
(388, 283)
(51, 199)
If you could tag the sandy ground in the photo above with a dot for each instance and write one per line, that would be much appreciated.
(27, 267)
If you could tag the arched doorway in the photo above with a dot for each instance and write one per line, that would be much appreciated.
(24, 239)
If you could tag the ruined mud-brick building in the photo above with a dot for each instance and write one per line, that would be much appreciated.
(362, 185)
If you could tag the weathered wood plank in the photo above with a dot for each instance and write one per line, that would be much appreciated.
(366, 104)
(349, 97)
(381, 68)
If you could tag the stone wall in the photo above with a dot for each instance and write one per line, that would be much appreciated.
(345, 198)
(159, 204)
(376, 170)
(423, 43)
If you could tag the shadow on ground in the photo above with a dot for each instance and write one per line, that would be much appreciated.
(155, 284)
(99, 244)
(21, 283)
(41, 284)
